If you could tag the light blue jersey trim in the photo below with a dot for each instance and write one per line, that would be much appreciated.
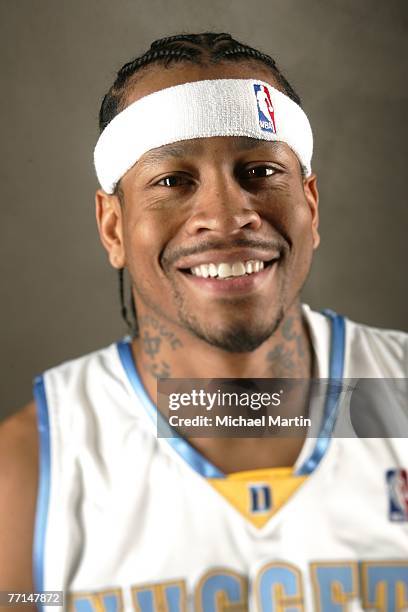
(199, 463)
(338, 344)
(44, 483)
(336, 369)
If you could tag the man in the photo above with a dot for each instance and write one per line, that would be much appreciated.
(208, 200)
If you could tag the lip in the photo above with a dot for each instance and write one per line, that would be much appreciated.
(235, 285)
(230, 257)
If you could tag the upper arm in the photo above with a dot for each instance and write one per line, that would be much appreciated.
(18, 496)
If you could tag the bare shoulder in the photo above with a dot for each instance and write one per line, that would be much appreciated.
(21, 426)
(18, 496)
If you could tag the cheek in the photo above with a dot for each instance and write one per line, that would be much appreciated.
(289, 213)
(291, 216)
(142, 239)
(145, 237)
(302, 226)
(302, 245)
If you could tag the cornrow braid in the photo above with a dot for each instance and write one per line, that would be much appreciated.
(165, 55)
(240, 50)
(202, 49)
(135, 326)
(123, 307)
(162, 42)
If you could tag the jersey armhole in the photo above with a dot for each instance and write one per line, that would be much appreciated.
(44, 481)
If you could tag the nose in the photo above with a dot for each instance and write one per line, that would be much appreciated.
(223, 206)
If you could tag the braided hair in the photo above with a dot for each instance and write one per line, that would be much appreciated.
(202, 49)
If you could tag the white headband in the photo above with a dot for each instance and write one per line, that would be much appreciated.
(220, 107)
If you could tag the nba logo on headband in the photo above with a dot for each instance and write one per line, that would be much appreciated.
(265, 109)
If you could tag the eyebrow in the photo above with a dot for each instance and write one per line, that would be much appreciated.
(175, 150)
(181, 149)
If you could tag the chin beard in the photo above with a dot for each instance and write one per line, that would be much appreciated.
(238, 338)
(241, 337)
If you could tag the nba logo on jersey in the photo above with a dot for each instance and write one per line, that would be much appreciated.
(260, 499)
(397, 481)
(266, 113)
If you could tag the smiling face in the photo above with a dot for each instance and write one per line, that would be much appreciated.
(217, 233)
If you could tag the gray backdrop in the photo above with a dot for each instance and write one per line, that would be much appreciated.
(346, 58)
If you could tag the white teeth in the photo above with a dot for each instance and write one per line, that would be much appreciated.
(226, 270)
(238, 269)
(213, 270)
(204, 270)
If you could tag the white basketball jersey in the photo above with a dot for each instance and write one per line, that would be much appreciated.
(129, 521)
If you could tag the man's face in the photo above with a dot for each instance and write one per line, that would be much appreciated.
(221, 205)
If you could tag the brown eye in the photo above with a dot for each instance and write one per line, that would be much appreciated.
(173, 180)
(259, 172)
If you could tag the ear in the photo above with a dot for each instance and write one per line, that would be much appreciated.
(109, 217)
(312, 197)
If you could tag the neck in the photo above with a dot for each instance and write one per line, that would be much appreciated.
(164, 350)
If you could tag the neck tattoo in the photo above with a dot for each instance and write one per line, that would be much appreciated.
(290, 357)
(154, 336)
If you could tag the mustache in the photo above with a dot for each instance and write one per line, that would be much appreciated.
(171, 256)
